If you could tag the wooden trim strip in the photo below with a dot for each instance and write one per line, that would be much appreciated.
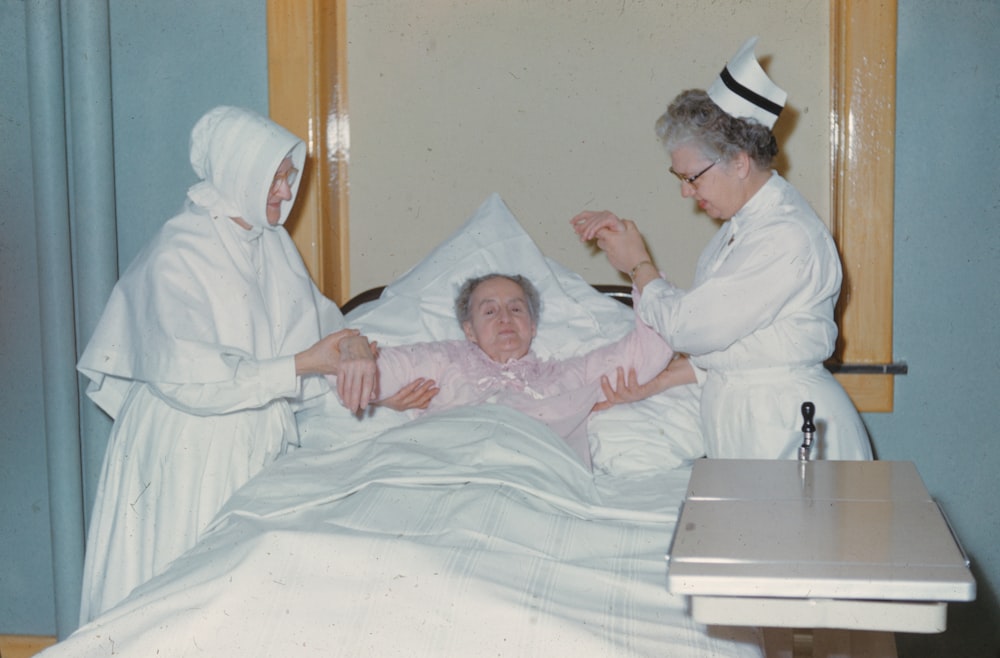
(24, 646)
(863, 93)
(307, 89)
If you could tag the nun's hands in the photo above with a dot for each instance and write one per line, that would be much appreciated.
(356, 373)
(348, 356)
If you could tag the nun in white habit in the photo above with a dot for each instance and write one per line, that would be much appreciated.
(758, 322)
(209, 342)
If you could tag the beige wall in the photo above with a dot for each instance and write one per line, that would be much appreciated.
(552, 105)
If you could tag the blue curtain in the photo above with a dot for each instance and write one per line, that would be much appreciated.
(72, 163)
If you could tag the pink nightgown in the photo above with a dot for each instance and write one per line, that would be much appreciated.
(559, 393)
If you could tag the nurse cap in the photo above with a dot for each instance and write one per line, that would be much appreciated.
(744, 91)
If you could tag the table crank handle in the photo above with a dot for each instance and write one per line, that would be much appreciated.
(808, 430)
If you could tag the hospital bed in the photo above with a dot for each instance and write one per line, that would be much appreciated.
(471, 532)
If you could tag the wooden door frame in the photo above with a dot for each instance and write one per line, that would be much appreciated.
(863, 139)
(307, 89)
(307, 75)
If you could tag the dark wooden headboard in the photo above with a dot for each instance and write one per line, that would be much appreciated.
(618, 292)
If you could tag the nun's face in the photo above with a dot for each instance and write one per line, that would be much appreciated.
(713, 185)
(281, 190)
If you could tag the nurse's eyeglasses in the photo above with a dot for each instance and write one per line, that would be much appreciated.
(691, 179)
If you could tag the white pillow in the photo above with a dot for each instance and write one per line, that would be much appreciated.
(419, 306)
(655, 434)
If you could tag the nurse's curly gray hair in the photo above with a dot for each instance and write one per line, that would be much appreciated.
(694, 118)
(531, 296)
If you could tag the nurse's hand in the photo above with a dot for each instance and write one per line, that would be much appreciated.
(591, 222)
(620, 239)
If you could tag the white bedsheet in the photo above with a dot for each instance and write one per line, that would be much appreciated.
(470, 533)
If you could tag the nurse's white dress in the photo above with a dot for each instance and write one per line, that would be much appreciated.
(758, 325)
(193, 358)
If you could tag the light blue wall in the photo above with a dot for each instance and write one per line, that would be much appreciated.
(947, 290)
(174, 59)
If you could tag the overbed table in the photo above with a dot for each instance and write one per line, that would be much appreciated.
(816, 544)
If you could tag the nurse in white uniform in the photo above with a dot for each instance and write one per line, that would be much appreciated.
(758, 323)
(209, 342)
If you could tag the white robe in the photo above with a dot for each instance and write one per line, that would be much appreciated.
(193, 358)
(758, 324)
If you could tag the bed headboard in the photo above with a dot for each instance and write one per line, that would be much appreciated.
(618, 292)
(357, 300)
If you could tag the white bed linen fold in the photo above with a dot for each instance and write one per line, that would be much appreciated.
(470, 533)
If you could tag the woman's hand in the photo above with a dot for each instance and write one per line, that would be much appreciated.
(356, 373)
(620, 239)
(347, 355)
(679, 371)
(626, 391)
(415, 395)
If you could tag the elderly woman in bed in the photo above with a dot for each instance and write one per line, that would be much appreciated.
(499, 315)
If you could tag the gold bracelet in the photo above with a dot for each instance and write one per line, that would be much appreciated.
(635, 269)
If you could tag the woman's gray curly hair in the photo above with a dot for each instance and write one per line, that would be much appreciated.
(531, 296)
(694, 118)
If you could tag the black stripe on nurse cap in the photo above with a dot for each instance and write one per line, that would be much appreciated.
(744, 91)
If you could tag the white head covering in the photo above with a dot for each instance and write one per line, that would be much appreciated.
(236, 154)
(744, 91)
(203, 296)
